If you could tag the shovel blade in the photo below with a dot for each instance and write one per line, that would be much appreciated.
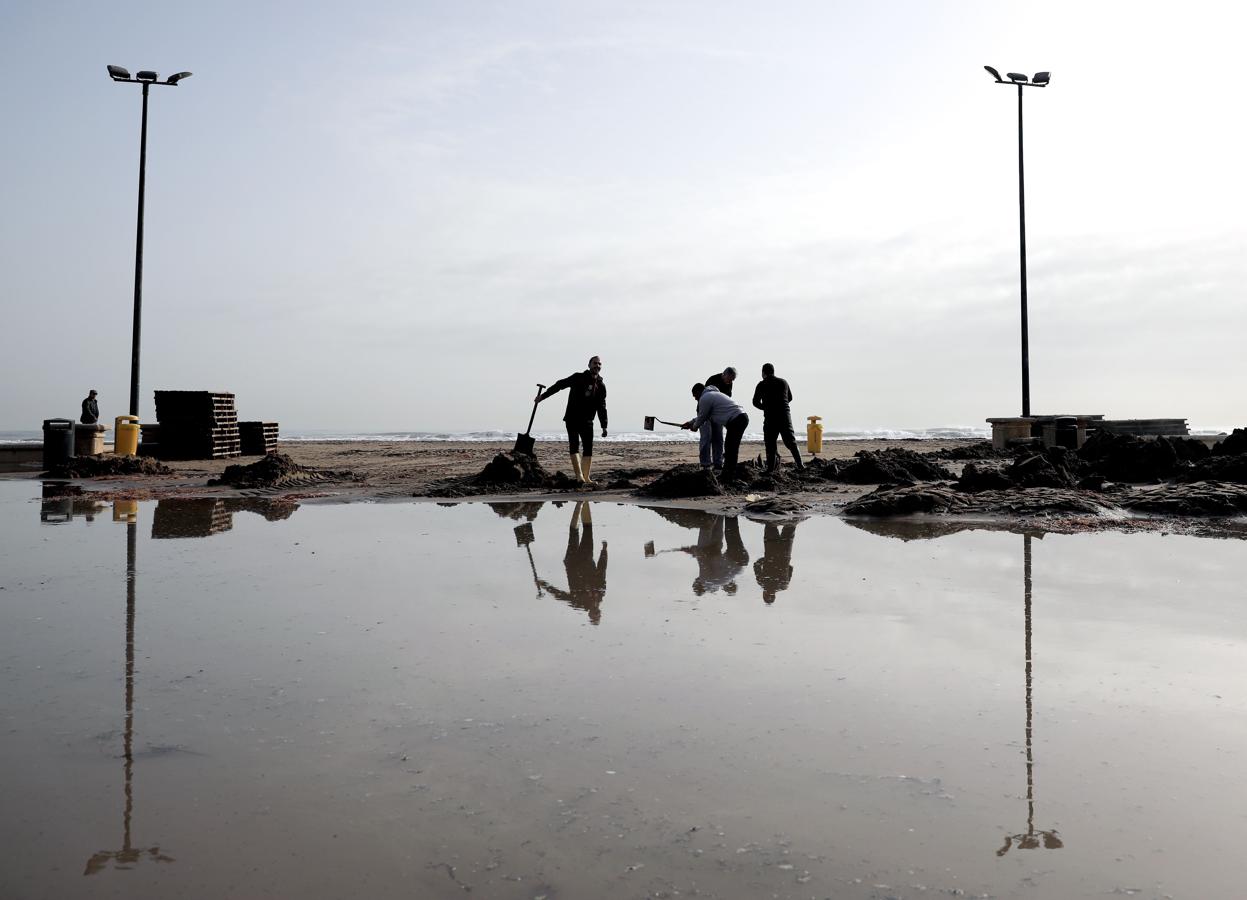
(524, 443)
(649, 423)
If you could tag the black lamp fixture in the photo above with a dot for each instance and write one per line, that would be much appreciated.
(146, 77)
(1040, 80)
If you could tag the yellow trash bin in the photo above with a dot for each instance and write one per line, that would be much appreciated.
(814, 435)
(126, 440)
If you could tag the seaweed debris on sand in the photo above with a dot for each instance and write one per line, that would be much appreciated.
(1109, 476)
(947, 500)
(277, 470)
(105, 466)
(772, 508)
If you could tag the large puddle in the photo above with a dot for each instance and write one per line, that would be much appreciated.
(209, 699)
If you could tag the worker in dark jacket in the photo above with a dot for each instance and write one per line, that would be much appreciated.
(722, 381)
(773, 396)
(587, 398)
(90, 409)
(710, 437)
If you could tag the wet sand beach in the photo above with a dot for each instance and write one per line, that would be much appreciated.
(402, 469)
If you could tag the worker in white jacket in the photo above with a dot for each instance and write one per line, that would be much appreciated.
(719, 409)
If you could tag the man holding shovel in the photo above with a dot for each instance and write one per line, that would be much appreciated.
(586, 398)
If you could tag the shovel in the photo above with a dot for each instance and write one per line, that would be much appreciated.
(650, 420)
(524, 443)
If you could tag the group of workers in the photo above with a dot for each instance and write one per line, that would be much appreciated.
(720, 421)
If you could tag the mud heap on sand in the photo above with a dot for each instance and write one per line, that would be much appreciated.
(891, 466)
(506, 472)
(682, 481)
(105, 466)
(277, 470)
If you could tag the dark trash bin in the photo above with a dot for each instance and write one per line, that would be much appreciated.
(1067, 432)
(58, 441)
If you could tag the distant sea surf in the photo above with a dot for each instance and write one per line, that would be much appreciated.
(943, 433)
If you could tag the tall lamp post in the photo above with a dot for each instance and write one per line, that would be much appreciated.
(1040, 80)
(145, 78)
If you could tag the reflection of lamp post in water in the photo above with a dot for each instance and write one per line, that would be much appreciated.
(1030, 839)
(127, 513)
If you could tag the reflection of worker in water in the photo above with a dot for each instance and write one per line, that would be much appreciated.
(586, 579)
(774, 569)
(717, 567)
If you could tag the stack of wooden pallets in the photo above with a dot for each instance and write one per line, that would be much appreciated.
(258, 438)
(1144, 426)
(193, 425)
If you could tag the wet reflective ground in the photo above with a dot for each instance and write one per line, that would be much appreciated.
(210, 699)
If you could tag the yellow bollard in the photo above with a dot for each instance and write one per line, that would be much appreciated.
(125, 511)
(814, 435)
(126, 440)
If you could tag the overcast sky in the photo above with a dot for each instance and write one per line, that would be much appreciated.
(400, 216)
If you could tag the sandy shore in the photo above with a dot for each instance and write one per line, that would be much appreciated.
(379, 470)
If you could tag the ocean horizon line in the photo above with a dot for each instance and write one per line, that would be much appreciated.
(667, 435)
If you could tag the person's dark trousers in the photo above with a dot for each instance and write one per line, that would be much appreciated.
(783, 429)
(733, 432)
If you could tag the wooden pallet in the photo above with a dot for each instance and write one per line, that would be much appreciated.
(258, 438)
(1144, 426)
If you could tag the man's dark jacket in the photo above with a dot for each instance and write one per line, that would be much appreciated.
(772, 396)
(716, 380)
(587, 396)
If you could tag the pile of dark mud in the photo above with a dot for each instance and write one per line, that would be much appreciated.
(1113, 459)
(276, 470)
(980, 450)
(105, 466)
(891, 466)
(507, 471)
(1234, 445)
(682, 481)
(751, 476)
(1055, 467)
(1120, 457)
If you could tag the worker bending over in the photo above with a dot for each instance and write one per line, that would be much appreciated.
(717, 408)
